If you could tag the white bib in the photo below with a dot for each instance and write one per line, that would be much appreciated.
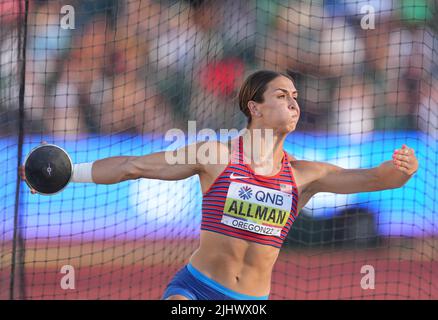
(256, 209)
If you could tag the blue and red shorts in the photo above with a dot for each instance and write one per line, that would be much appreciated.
(194, 285)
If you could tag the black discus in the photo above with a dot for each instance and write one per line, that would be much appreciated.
(48, 169)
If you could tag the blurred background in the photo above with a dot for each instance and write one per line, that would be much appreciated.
(111, 77)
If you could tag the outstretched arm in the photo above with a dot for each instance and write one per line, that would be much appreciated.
(152, 166)
(389, 175)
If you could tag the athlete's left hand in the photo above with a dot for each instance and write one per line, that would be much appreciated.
(404, 160)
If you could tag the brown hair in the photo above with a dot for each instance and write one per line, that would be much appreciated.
(253, 88)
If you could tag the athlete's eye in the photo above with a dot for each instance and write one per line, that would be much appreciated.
(282, 96)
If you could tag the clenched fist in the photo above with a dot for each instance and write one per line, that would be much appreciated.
(404, 159)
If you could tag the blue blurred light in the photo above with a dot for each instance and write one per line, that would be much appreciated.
(153, 208)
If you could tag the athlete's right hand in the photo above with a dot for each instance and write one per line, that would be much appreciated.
(22, 173)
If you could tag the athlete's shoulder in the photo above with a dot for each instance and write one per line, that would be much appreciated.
(306, 167)
(296, 162)
(214, 144)
(302, 163)
(290, 157)
(214, 150)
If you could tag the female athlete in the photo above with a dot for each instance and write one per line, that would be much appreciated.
(249, 203)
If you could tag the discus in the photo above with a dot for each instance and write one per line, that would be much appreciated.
(48, 169)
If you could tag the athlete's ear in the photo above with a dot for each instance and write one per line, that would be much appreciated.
(254, 109)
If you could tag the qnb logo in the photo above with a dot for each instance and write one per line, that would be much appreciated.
(267, 197)
(245, 193)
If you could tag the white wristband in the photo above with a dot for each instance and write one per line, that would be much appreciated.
(82, 172)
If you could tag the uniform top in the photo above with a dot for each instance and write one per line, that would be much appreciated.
(248, 206)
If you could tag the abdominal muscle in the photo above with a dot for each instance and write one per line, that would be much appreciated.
(238, 265)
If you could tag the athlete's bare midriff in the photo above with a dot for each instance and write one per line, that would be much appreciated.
(239, 265)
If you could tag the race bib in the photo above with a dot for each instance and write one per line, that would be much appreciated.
(256, 209)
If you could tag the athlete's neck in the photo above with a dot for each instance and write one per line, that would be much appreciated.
(263, 149)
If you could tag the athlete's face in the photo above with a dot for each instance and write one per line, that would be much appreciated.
(280, 109)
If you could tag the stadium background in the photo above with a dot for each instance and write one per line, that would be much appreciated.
(131, 70)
